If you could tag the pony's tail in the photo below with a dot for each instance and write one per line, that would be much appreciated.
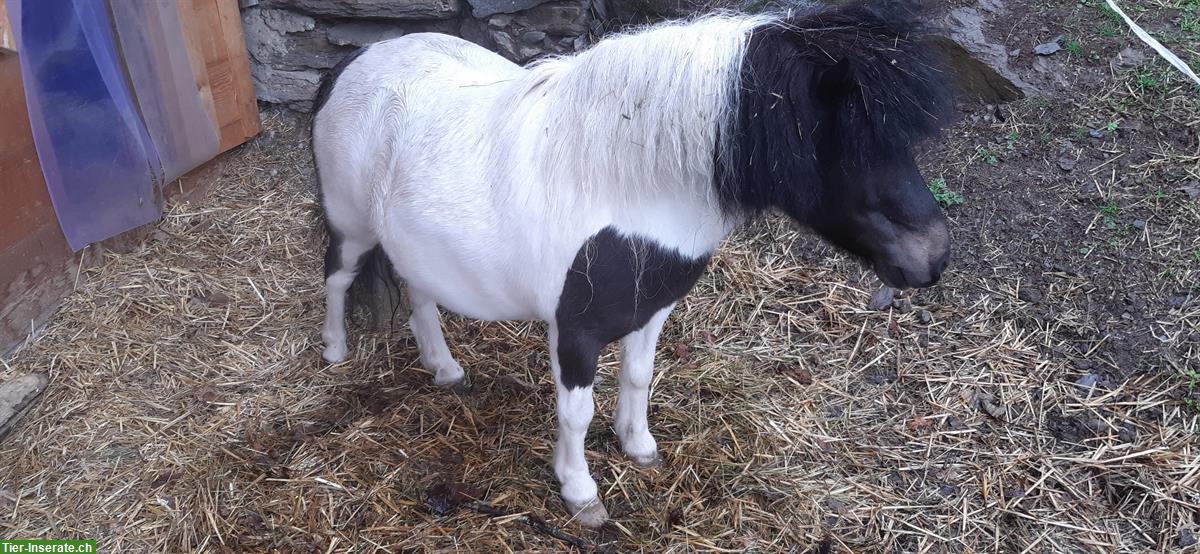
(375, 284)
(377, 288)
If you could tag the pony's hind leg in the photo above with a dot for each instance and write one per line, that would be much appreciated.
(343, 259)
(426, 327)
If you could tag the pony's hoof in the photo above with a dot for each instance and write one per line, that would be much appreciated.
(653, 461)
(458, 386)
(334, 354)
(589, 514)
(450, 379)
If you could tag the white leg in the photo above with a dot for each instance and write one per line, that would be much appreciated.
(426, 327)
(637, 370)
(341, 265)
(575, 409)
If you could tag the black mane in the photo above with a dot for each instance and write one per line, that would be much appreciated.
(851, 84)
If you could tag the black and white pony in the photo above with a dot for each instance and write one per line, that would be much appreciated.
(589, 191)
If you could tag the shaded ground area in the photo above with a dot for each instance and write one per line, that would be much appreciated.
(1041, 399)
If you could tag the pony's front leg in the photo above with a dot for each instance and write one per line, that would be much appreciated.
(426, 325)
(573, 360)
(637, 370)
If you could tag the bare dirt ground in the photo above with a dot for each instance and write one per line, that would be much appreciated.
(1043, 398)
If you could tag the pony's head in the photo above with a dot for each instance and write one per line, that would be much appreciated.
(830, 105)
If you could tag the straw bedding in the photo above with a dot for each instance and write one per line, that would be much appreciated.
(189, 410)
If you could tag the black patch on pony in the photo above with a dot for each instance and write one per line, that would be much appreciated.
(615, 285)
(852, 84)
(330, 78)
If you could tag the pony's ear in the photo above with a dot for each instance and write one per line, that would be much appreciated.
(834, 82)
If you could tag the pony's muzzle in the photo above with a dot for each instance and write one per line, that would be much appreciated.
(918, 259)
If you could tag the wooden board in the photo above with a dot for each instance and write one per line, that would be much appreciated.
(35, 262)
(217, 50)
(8, 44)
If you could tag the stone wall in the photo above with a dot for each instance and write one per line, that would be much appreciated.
(293, 42)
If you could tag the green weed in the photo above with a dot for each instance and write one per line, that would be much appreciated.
(1148, 82)
(1108, 215)
(943, 195)
(987, 156)
(1193, 381)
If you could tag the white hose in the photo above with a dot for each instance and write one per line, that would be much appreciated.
(1157, 46)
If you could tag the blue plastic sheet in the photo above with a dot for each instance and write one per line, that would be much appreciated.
(100, 164)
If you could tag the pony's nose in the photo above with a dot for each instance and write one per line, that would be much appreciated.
(940, 267)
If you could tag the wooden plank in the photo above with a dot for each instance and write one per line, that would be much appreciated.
(35, 262)
(8, 43)
(213, 30)
(194, 31)
(242, 85)
(16, 398)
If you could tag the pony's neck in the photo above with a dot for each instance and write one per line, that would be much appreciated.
(635, 114)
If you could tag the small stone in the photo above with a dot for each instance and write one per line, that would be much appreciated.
(371, 9)
(1186, 538)
(1030, 294)
(924, 316)
(1191, 189)
(1096, 134)
(532, 37)
(16, 396)
(362, 33)
(1066, 163)
(1016, 52)
(1139, 224)
(1088, 382)
(498, 21)
(882, 299)
(902, 305)
(7, 499)
(1047, 48)
(993, 6)
(1130, 57)
(484, 8)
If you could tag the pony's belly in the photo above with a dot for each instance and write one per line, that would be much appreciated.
(474, 300)
(474, 283)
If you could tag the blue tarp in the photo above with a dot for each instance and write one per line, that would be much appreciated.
(100, 164)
